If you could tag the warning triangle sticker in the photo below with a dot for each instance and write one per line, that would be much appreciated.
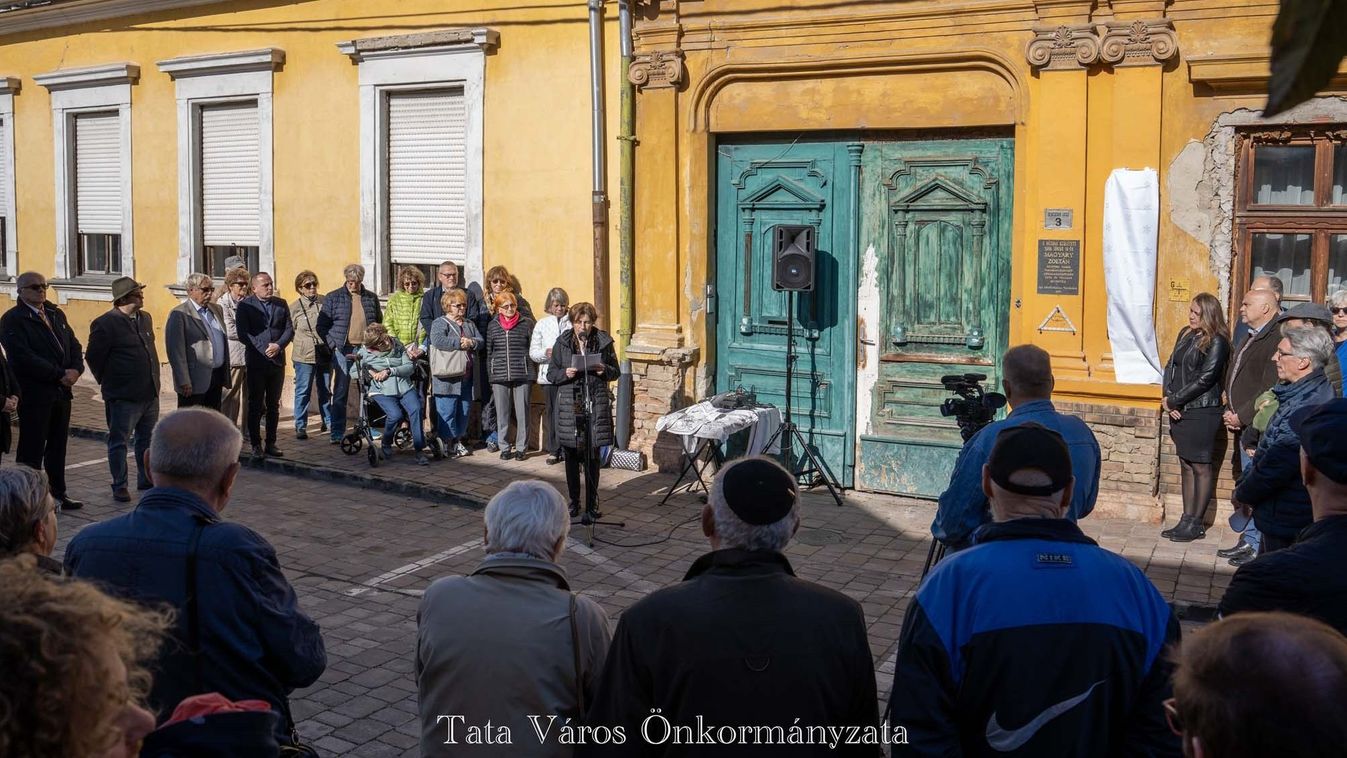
(1057, 321)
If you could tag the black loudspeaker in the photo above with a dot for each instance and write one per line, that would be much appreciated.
(793, 258)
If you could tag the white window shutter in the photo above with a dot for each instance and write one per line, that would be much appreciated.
(231, 177)
(427, 177)
(98, 174)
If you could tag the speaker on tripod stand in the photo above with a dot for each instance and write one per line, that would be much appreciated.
(794, 256)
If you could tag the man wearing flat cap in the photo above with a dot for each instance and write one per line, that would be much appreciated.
(741, 641)
(1035, 640)
(1309, 577)
(125, 363)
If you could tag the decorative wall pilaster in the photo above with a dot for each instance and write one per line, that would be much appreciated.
(1144, 42)
(657, 69)
(1063, 48)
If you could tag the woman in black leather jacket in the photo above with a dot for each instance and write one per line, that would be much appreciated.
(1192, 388)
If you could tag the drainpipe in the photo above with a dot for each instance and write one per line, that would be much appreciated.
(626, 245)
(599, 196)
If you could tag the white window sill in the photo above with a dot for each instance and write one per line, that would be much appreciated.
(95, 288)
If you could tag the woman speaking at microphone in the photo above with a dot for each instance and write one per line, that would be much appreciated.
(584, 406)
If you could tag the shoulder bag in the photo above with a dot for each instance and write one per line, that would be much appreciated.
(448, 364)
(322, 352)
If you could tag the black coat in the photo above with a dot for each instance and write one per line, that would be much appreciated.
(1193, 376)
(123, 356)
(1308, 578)
(431, 309)
(40, 356)
(508, 352)
(257, 331)
(571, 391)
(739, 642)
(9, 386)
(334, 320)
(1255, 374)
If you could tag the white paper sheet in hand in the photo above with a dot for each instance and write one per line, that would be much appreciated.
(1131, 218)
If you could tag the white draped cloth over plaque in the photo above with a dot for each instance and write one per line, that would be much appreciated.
(1131, 221)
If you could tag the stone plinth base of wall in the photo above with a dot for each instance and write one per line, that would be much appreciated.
(1130, 450)
(659, 378)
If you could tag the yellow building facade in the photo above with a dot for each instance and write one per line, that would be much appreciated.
(301, 136)
(957, 152)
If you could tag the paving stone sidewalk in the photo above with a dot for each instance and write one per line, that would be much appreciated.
(360, 556)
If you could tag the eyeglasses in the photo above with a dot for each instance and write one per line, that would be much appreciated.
(458, 305)
(1339, 311)
(308, 285)
(1172, 717)
(1279, 354)
(506, 306)
(42, 287)
(499, 281)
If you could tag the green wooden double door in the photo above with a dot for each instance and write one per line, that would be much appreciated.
(932, 218)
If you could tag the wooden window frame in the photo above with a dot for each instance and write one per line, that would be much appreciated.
(1320, 220)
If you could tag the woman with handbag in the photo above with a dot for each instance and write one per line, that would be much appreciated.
(312, 358)
(452, 343)
(507, 348)
(583, 396)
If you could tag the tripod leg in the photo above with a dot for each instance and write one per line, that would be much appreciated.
(824, 473)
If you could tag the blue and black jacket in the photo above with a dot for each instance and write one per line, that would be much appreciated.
(1035, 641)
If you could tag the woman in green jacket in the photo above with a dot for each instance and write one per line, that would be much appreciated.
(389, 369)
(403, 315)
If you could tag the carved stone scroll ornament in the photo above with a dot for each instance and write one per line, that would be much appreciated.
(657, 69)
(1063, 47)
(1146, 42)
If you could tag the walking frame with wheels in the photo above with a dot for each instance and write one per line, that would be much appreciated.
(370, 416)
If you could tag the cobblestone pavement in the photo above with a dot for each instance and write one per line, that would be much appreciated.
(360, 556)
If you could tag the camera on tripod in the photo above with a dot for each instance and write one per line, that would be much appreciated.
(974, 407)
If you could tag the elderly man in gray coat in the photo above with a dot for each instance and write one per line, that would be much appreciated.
(509, 641)
(197, 347)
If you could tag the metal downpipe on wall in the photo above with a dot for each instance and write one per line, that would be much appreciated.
(599, 195)
(626, 245)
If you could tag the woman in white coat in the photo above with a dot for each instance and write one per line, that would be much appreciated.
(545, 335)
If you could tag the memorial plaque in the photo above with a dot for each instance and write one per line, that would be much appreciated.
(1059, 267)
(1058, 218)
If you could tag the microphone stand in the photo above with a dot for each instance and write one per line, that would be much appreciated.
(584, 439)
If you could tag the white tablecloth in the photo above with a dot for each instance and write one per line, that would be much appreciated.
(704, 421)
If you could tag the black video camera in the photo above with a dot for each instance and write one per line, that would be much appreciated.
(974, 407)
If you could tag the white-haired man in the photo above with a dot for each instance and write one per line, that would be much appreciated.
(1272, 487)
(197, 346)
(242, 632)
(510, 640)
(740, 642)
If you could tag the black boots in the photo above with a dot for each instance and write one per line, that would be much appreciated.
(1188, 529)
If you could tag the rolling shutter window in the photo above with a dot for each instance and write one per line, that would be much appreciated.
(98, 174)
(231, 177)
(427, 177)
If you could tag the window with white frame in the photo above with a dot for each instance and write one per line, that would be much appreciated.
(91, 125)
(425, 176)
(230, 178)
(8, 223)
(225, 159)
(421, 100)
(98, 189)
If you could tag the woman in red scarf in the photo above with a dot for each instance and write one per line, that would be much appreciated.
(507, 344)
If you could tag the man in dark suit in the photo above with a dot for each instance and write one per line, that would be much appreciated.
(1251, 373)
(1267, 282)
(198, 349)
(264, 326)
(48, 362)
(125, 362)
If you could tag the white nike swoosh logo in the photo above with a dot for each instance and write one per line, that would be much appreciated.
(1005, 741)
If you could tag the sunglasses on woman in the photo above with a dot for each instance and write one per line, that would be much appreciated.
(1339, 311)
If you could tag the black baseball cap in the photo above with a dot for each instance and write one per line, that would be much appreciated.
(1323, 436)
(1030, 446)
